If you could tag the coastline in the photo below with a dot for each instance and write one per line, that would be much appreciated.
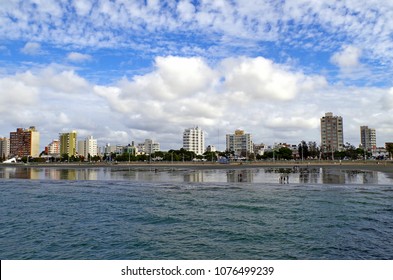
(380, 166)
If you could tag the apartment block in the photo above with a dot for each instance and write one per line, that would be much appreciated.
(53, 148)
(4, 148)
(88, 147)
(194, 140)
(240, 143)
(68, 143)
(25, 142)
(332, 134)
(368, 138)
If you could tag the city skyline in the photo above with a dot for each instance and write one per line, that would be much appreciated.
(193, 140)
(132, 70)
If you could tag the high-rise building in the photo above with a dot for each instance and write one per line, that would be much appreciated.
(194, 140)
(240, 143)
(88, 147)
(68, 143)
(53, 148)
(25, 142)
(332, 134)
(4, 148)
(368, 138)
(151, 146)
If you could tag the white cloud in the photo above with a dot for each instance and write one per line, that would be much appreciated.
(278, 104)
(31, 48)
(260, 78)
(78, 57)
(347, 58)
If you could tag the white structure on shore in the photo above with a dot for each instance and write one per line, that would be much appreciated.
(194, 140)
(88, 147)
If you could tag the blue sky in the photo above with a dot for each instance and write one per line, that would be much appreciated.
(124, 70)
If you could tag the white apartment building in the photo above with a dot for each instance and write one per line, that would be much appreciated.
(54, 147)
(240, 143)
(368, 138)
(194, 140)
(88, 147)
(151, 146)
(4, 148)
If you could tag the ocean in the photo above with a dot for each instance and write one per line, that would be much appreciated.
(191, 214)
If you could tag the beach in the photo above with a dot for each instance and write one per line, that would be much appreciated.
(380, 166)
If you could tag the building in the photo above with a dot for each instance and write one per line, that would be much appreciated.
(25, 142)
(53, 148)
(211, 149)
(88, 147)
(368, 138)
(68, 143)
(4, 148)
(151, 146)
(148, 147)
(332, 134)
(194, 140)
(240, 143)
(260, 149)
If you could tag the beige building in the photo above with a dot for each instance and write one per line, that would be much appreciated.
(368, 138)
(332, 134)
(4, 148)
(88, 147)
(25, 142)
(240, 143)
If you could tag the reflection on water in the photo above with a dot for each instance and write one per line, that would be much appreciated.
(302, 175)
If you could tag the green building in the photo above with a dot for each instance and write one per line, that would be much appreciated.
(68, 143)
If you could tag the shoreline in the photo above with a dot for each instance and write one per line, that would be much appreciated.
(382, 166)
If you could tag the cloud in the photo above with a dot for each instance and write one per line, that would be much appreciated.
(278, 104)
(31, 48)
(260, 78)
(186, 91)
(78, 57)
(347, 58)
(364, 24)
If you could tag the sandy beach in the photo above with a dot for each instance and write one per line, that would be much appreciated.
(381, 166)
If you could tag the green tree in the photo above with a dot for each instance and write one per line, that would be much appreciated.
(389, 149)
(303, 150)
(284, 153)
(210, 156)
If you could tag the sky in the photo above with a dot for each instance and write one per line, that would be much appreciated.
(129, 70)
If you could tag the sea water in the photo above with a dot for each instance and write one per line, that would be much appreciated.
(190, 214)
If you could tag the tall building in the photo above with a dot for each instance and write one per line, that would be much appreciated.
(194, 140)
(68, 143)
(240, 143)
(4, 148)
(332, 134)
(25, 142)
(368, 138)
(53, 148)
(88, 147)
(151, 146)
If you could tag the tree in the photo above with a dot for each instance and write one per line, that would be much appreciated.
(389, 149)
(303, 150)
(284, 153)
(313, 149)
(210, 156)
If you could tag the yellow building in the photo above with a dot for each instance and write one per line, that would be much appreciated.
(68, 143)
